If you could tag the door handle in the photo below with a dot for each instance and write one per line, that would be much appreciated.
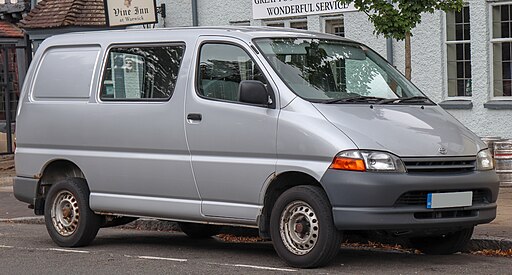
(194, 117)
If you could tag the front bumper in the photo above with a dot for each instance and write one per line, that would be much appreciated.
(367, 201)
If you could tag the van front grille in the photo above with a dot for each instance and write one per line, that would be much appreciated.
(435, 164)
(420, 197)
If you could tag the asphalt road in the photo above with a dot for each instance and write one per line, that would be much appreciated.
(27, 249)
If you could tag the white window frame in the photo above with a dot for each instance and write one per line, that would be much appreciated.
(286, 22)
(332, 18)
(491, 50)
(446, 44)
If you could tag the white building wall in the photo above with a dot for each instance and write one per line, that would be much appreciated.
(428, 51)
(178, 13)
(483, 121)
(221, 13)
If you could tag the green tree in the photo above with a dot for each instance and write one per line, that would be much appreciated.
(397, 18)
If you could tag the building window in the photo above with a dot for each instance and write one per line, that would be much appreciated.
(458, 46)
(275, 24)
(335, 26)
(502, 49)
(301, 25)
(141, 73)
(240, 23)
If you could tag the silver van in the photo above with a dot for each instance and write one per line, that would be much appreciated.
(302, 135)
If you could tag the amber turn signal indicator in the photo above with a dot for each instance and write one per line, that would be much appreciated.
(350, 164)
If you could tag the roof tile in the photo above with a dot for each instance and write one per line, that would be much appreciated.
(65, 13)
(9, 30)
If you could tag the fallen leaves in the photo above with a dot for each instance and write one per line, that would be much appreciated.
(238, 239)
(377, 245)
(493, 252)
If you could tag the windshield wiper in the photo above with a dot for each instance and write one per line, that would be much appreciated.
(354, 99)
(412, 99)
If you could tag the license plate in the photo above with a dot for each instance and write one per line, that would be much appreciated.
(446, 200)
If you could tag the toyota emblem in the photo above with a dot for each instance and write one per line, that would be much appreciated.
(442, 151)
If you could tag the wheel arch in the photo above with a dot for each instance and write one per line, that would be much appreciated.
(59, 169)
(54, 171)
(275, 188)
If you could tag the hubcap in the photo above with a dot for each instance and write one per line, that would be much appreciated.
(65, 213)
(299, 227)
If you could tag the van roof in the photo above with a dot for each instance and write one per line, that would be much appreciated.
(163, 34)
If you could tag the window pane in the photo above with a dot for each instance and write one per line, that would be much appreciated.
(468, 88)
(505, 50)
(458, 17)
(504, 13)
(507, 91)
(276, 24)
(460, 51)
(335, 27)
(506, 70)
(505, 30)
(467, 34)
(459, 32)
(222, 68)
(61, 65)
(141, 73)
(467, 51)
(299, 25)
(460, 69)
(467, 70)
(461, 87)
(452, 88)
(465, 11)
(450, 26)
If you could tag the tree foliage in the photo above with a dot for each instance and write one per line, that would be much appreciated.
(396, 18)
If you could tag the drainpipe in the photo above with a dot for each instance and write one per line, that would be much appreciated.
(194, 13)
(33, 4)
(389, 47)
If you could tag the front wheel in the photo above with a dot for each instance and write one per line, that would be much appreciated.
(69, 220)
(302, 227)
(443, 244)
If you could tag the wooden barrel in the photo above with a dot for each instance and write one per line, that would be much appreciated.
(503, 159)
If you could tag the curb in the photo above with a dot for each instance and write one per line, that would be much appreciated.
(477, 244)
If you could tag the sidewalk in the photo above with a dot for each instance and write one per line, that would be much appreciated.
(495, 235)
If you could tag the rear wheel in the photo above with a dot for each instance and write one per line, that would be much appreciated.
(443, 244)
(69, 220)
(302, 228)
(199, 231)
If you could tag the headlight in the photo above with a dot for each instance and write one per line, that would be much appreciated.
(362, 160)
(484, 160)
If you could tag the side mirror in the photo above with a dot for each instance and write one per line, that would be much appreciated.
(253, 92)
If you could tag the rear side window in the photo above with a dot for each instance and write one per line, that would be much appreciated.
(142, 73)
(65, 74)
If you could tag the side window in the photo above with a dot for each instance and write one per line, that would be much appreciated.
(221, 69)
(141, 73)
(66, 73)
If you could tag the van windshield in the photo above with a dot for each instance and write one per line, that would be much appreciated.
(330, 71)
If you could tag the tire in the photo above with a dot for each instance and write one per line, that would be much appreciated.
(199, 231)
(443, 244)
(69, 220)
(305, 209)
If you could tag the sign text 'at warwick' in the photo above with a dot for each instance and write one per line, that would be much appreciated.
(265, 9)
(130, 12)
